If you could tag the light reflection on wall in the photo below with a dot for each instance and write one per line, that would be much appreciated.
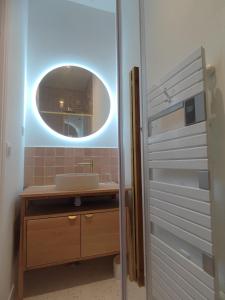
(70, 40)
(56, 134)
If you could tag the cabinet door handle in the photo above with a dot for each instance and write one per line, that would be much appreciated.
(72, 217)
(89, 216)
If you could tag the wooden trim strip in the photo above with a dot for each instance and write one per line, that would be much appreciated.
(137, 176)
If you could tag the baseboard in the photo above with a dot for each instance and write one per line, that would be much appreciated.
(12, 293)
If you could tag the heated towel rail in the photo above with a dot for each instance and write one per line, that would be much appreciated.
(179, 184)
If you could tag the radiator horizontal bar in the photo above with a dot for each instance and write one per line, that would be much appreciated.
(184, 262)
(185, 191)
(188, 214)
(191, 130)
(189, 153)
(183, 142)
(182, 234)
(187, 276)
(189, 164)
(180, 97)
(194, 66)
(157, 269)
(196, 55)
(179, 280)
(178, 88)
(189, 203)
(195, 229)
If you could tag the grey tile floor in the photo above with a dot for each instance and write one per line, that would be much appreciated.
(89, 280)
(82, 281)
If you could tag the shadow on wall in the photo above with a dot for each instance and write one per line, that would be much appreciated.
(217, 142)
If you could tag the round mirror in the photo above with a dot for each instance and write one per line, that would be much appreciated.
(73, 101)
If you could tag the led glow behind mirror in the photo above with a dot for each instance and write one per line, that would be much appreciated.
(73, 102)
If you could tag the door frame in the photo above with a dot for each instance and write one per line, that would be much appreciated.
(122, 191)
(3, 87)
(144, 136)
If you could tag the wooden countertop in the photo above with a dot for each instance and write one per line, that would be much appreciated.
(50, 191)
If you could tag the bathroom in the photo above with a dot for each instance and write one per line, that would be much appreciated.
(70, 153)
(148, 174)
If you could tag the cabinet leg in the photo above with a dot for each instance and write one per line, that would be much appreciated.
(20, 285)
(22, 251)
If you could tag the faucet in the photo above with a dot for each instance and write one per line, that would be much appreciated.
(89, 163)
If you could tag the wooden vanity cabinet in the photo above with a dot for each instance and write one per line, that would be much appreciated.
(53, 240)
(100, 233)
(53, 232)
(57, 240)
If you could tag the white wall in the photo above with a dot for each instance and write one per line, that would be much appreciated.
(174, 29)
(13, 167)
(62, 32)
(109, 5)
(130, 59)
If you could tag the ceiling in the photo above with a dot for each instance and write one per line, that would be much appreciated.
(106, 5)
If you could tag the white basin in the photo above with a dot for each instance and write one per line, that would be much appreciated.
(76, 181)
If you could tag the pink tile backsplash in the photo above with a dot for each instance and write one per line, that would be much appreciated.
(42, 164)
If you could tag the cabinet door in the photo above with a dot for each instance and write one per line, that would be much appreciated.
(100, 234)
(53, 240)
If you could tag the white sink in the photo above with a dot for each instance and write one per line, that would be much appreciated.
(76, 181)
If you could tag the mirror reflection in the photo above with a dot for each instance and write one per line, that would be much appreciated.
(73, 101)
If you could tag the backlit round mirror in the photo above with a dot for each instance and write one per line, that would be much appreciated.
(73, 101)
